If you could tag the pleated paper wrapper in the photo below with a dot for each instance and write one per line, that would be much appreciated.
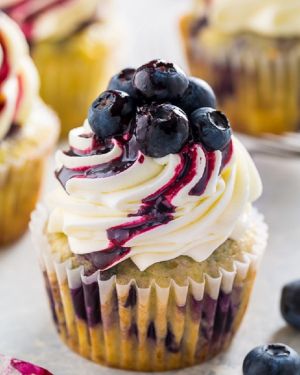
(147, 329)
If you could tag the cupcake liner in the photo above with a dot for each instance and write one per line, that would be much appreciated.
(21, 177)
(255, 78)
(73, 72)
(147, 329)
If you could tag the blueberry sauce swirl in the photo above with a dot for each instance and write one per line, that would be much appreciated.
(58, 19)
(18, 79)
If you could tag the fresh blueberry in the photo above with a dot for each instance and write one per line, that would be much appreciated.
(290, 303)
(273, 359)
(198, 95)
(110, 113)
(160, 80)
(123, 82)
(211, 128)
(161, 129)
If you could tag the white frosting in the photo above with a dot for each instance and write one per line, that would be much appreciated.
(90, 206)
(19, 89)
(269, 17)
(51, 18)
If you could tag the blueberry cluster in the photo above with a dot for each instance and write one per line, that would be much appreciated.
(162, 107)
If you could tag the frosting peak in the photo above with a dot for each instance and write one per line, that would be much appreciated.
(18, 77)
(268, 17)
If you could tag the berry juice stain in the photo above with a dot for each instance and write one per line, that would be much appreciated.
(27, 368)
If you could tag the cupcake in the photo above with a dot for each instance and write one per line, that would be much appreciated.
(28, 131)
(150, 244)
(72, 44)
(12, 366)
(249, 51)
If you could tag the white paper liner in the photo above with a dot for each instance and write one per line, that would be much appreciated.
(211, 288)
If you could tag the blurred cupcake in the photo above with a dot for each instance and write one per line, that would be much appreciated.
(28, 131)
(249, 51)
(72, 44)
(151, 245)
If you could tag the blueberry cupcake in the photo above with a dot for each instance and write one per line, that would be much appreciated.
(150, 244)
(12, 366)
(72, 44)
(28, 131)
(249, 51)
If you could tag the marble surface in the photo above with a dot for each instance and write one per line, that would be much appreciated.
(26, 329)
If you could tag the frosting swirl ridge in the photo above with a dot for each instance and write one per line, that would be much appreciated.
(115, 203)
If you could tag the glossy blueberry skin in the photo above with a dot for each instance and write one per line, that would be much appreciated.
(290, 303)
(160, 80)
(198, 95)
(273, 359)
(122, 81)
(110, 113)
(161, 129)
(211, 128)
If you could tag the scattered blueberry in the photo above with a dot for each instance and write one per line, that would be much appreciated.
(198, 95)
(290, 303)
(211, 128)
(161, 129)
(110, 113)
(273, 359)
(160, 80)
(123, 82)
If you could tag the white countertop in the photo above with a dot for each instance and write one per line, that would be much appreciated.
(26, 329)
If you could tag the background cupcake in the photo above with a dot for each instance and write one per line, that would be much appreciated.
(249, 52)
(151, 246)
(73, 46)
(28, 131)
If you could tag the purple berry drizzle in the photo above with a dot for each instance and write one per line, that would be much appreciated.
(156, 209)
(4, 73)
(20, 12)
(26, 368)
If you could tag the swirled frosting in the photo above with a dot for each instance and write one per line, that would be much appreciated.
(269, 17)
(116, 203)
(55, 19)
(18, 77)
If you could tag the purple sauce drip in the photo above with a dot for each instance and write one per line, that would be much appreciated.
(26, 368)
(105, 258)
(18, 10)
(112, 168)
(156, 209)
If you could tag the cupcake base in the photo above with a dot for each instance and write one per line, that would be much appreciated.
(147, 322)
(22, 162)
(256, 79)
(178, 336)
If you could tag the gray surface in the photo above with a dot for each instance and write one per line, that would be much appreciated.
(26, 330)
